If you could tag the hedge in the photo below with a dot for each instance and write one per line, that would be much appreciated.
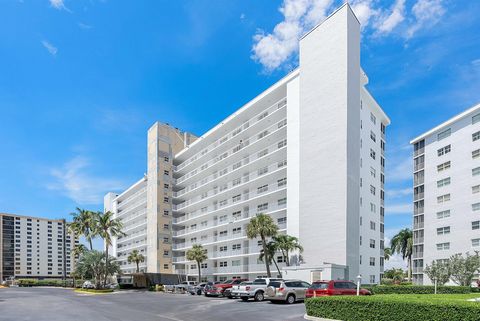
(34, 282)
(417, 289)
(392, 308)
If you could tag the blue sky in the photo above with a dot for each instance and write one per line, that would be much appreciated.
(81, 81)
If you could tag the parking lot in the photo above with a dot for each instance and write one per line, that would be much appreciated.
(57, 304)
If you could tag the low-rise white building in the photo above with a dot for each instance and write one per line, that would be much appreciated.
(308, 151)
(446, 189)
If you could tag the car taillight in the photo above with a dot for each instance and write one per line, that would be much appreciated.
(281, 289)
(247, 288)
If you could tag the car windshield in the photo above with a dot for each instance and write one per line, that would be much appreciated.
(275, 284)
(319, 285)
(260, 281)
(228, 282)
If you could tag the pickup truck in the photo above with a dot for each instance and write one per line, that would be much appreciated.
(255, 289)
(218, 289)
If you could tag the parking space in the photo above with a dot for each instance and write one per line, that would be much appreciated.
(55, 304)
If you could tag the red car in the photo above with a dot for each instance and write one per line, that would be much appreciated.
(218, 289)
(337, 287)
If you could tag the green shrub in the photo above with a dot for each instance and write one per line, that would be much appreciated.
(393, 308)
(35, 282)
(95, 290)
(386, 281)
(417, 289)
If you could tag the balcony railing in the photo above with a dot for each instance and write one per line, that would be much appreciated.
(418, 240)
(418, 152)
(122, 204)
(251, 122)
(418, 225)
(419, 166)
(418, 196)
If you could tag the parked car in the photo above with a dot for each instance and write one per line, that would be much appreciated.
(197, 289)
(218, 289)
(334, 287)
(255, 289)
(88, 285)
(289, 291)
(184, 285)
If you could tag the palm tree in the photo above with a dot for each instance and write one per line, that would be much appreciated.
(286, 244)
(77, 251)
(402, 243)
(136, 257)
(387, 253)
(84, 224)
(271, 250)
(198, 254)
(262, 226)
(107, 227)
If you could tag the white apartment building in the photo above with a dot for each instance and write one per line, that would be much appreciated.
(308, 151)
(446, 191)
(33, 247)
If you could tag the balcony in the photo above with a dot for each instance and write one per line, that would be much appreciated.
(132, 197)
(418, 240)
(417, 255)
(419, 166)
(233, 133)
(417, 269)
(418, 225)
(418, 181)
(418, 152)
(274, 132)
(418, 196)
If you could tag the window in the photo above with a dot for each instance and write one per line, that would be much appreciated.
(165, 253)
(361, 238)
(223, 233)
(373, 172)
(282, 201)
(237, 230)
(203, 265)
(223, 264)
(223, 248)
(165, 199)
(475, 189)
(165, 266)
(476, 171)
(443, 167)
(165, 172)
(475, 242)
(444, 150)
(372, 189)
(372, 243)
(263, 134)
(372, 225)
(475, 136)
(475, 119)
(443, 246)
(236, 247)
(444, 134)
(443, 198)
(262, 171)
(372, 279)
(476, 207)
(373, 118)
(443, 182)
(166, 159)
(281, 144)
(282, 182)
(372, 261)
(262, 189)
(443, 230)
(166, 226)
(372, 136)
(238, 197)
(262, 153)
(262, 207)
(281, 220)
(476, 225)
(236, 263)
(372, 153)
(443, 214)
(165, 240)
(476, 154)
(280, 259)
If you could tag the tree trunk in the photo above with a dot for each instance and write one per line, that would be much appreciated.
(106, 266)
(276, 265)
(138, 269)
(264, 244)
(199, 272)
(287, 258)
(90, 242)
(409, 274)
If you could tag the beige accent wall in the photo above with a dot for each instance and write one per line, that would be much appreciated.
(163, 141)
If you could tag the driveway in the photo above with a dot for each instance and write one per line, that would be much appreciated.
(57, 304)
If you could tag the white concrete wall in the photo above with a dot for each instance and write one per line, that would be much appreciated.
(329, 144)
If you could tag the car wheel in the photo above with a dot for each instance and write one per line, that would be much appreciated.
(290, 299)
(199, 292)
(244, 299)
(259, 296)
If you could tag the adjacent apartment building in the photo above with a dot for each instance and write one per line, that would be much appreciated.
(308, 151)
(446, 191)
(33, 247)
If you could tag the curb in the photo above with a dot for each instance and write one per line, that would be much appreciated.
(311, 318)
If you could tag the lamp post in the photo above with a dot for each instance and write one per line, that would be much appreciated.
(359, 279)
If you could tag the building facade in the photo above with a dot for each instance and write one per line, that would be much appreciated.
(32, 247)
(446, 176)
(308, 151)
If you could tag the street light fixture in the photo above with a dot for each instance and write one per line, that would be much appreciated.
(359, 279)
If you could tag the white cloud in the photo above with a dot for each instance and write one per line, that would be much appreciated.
(73, 180)
(273, 49)
(426, 13)
(399, 209)
(59, 5)
(401, 170)
(393, 193)
(388, 22)
(277, 48)
(51, 48)
(84, 26)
